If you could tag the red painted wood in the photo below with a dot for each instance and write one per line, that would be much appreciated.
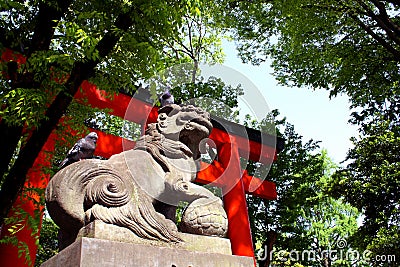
(10, 55)
(126, 107)
(109, 145)
(212, 173)
(264, 189)
(120, 105)
(247, 148)
(234, 198)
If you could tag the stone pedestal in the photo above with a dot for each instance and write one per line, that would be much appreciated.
(93, 252)
(101, 230)
(104, 245)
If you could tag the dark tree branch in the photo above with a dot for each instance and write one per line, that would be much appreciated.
(394, 2)
(379, 39)
(47, 19)
(269, 246)
(382, 23)
(50, 12)
(81, 71)
(10, 136)
(386, 18)
(6, 42)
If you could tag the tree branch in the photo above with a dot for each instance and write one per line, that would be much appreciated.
(10, 136)
(385, 17)
(379, 39)
(190, 24)
(47, 19)
(383, 24)
(394, 2)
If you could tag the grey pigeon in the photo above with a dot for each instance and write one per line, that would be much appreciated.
(166, 98)
(83, 149)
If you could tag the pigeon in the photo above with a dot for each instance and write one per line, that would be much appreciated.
(166, 98)
(83, 149)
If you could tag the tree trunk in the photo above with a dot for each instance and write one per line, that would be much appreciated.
(195, 69)
(10, 136)
(327, 262)
(269, 246)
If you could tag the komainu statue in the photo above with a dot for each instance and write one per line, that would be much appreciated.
(140, 188)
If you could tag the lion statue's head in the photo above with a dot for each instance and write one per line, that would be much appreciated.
(187, 125)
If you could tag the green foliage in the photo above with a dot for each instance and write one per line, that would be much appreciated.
(23, 106)
(48, 244)
(137, 55)
(341, 46)
(24, 221)
(210, 93)
(371, 182)
(115, 125)
(200, 37)
(350, 47)
(304, 217)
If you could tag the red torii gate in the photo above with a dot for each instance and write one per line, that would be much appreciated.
(225, 173)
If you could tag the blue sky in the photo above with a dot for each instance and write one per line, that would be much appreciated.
(311, 112)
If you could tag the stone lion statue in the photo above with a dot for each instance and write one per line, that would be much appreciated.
(139, 189)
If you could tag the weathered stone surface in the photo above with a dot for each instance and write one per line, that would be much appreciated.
(210, 244)
(139, 189)
(92, 252)
(204, 217)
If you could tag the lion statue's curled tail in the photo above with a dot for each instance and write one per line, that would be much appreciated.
(92, 190)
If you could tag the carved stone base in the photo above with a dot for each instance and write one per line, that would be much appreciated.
(93, 252)
(210, 244)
